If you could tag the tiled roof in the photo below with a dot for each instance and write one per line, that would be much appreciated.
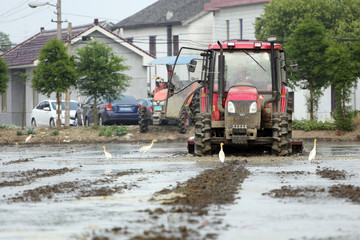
(27, 52)
(217, 4)
(164, 12)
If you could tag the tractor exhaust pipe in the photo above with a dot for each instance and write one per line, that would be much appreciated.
(221, 78)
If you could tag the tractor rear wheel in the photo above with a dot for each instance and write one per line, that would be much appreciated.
(203, 134)
(280, 139)
(143, 119)
(182, 122)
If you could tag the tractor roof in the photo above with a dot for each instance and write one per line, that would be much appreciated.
(244, 45)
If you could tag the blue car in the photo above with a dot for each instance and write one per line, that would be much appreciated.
(123, 110)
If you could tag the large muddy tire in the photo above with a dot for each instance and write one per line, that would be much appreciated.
(143, 119)
(280, 128)
(182, 122)
(195, 106)
(203, 134)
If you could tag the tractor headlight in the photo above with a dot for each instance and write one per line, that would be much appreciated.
(231, 107)
(159, 103)
(253, 107)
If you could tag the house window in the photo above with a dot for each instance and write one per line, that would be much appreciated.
(3, 102)
(176, 44)
(152, 47)
(241, 28)
(228, 29)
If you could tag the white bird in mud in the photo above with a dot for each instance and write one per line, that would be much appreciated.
(313, 152)
(146, 148)
(221, 153)
(107, 154)
(28, 138)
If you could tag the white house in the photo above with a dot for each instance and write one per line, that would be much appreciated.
(24, 58)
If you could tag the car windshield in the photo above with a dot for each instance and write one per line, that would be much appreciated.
(73, 105)
(125, 99)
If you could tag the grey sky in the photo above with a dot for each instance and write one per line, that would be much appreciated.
(20, 21)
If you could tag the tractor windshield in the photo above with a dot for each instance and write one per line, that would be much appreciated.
(247, 68)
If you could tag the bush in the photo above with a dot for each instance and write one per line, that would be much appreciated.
(19, 133)
(102, 131)
(308, 125)
(30, 131)
(55, 133)
(120, 131)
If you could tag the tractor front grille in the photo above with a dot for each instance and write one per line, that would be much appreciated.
(242, 115)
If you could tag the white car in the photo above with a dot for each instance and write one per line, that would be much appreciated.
(44, 114)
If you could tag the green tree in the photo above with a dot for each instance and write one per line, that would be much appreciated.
(101, 73)
(308, 44)
(4, 78)
(343, 73)
(5, 42)
(55, 72)
(281, 17)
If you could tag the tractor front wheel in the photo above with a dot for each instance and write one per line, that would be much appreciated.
(143, 119)
(280, 139)
(203, 134)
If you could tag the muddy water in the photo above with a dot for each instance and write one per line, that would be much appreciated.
(309, 211)
(73, 192)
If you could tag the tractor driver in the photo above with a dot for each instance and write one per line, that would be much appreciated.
(241, 77)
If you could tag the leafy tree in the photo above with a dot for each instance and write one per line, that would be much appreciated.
(308, 45)
(100, 73)
(5, 42)
(55, 72)
(281, 17)
(4, 78)
(342, 71)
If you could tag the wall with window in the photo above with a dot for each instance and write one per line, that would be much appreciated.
(237, 22)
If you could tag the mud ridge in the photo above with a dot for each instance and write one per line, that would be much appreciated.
(191, 201)
(21, 178)
(74, 189)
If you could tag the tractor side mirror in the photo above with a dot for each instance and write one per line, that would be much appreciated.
(192, 66)
(294, 66)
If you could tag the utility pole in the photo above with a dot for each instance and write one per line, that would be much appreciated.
(67, 96)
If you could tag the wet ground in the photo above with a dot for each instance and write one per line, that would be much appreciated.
(74, 192)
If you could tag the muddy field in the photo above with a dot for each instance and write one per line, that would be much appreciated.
(74, 192)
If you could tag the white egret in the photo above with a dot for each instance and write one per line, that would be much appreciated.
(107, 154)
(146, 148)
(28, 138)
(221, 153)
(313, 152)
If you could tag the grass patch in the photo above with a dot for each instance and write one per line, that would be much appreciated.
(308, 125)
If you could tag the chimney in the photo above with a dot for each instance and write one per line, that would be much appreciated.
(96, 21)
(42, 29)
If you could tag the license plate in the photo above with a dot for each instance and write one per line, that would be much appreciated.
(157, 108)
(124, 109)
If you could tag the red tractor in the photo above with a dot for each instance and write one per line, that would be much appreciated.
(243, 97)
(161, 92)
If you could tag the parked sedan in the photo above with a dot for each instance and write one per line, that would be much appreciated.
(44, 114)
(82, 112)
(123, 110)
